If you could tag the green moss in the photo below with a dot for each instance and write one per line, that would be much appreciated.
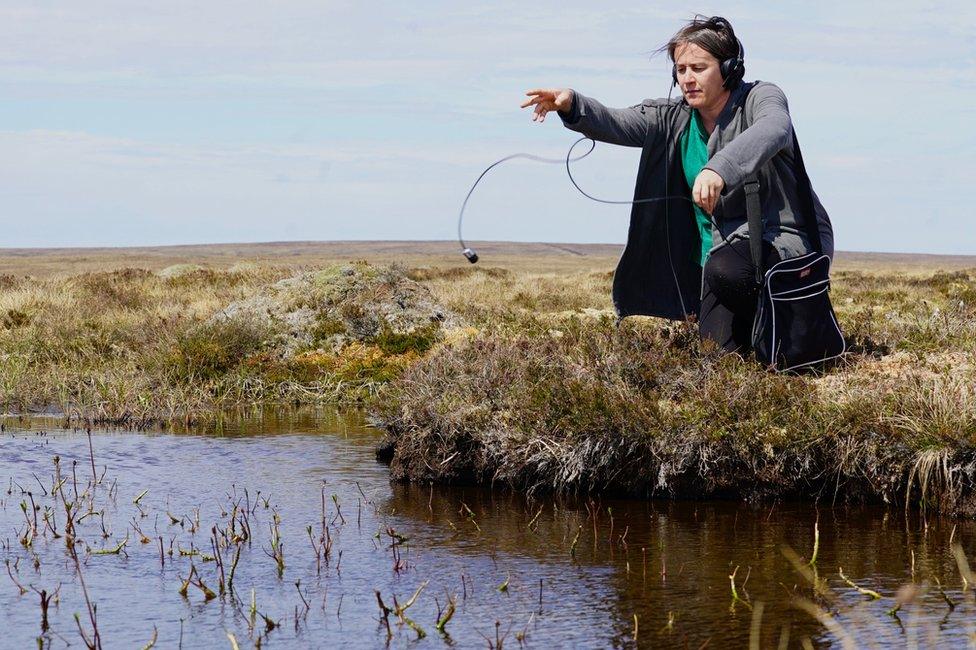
(325, 328)
(419, 340)
(371, 372)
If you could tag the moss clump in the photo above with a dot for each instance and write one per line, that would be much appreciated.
(361, 367)
(325, 328)
(419, 340)
(343, 304)
(176, 270)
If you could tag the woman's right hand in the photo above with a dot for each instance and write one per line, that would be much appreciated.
(548, 99)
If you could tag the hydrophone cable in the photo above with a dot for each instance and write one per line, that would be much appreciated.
(473, 257)
(470, 254)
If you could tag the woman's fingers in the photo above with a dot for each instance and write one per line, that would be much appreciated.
(708, 187)
(545, 100)
(704, 196)
(539, 95)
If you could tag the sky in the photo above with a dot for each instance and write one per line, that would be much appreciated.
(133, 123)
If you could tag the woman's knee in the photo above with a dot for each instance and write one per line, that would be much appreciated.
(728, 273)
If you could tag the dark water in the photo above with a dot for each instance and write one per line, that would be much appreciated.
(575, 572)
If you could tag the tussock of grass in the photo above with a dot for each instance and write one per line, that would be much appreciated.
(211, 349)
(573, 403)
(647, 410)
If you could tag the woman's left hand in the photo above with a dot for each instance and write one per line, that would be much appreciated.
(708, 187)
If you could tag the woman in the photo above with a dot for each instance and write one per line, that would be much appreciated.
(692, 258)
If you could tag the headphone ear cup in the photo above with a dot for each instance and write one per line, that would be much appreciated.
(725, 68)
(674, 75)
(732, 72)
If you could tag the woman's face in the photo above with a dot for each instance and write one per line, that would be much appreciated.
(699, 77)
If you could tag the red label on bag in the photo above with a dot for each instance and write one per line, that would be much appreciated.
(804, 273)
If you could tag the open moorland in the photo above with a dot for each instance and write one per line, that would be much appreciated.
(513, 371)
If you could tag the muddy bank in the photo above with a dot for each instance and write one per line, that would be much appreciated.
(645, 410)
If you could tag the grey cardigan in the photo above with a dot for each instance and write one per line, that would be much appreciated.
(658, 273)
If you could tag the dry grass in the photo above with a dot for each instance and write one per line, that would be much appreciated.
(63, 262)
(132, 346)
(552, 395)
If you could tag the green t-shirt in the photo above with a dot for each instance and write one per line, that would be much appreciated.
(694, 157)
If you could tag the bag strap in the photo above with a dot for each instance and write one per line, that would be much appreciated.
(808, 210)
(754, 217)
(753, 204)
(807, 205)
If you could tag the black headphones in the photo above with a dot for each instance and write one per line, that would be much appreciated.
(732, 70)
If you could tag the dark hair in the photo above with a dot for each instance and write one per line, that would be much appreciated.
(712, 34)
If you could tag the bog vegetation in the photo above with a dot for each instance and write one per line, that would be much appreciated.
(518, 377)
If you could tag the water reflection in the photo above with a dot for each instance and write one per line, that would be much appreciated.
(669, 563)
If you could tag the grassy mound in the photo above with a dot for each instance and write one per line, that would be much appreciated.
(574, 403)
(132, 346)
(339, 305)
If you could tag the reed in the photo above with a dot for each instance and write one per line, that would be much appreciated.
(445, 615)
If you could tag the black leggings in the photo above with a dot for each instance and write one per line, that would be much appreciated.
(729, 295)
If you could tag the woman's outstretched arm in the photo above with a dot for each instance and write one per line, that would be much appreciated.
(623, 126)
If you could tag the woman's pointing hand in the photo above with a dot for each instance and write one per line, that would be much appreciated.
(548, 99)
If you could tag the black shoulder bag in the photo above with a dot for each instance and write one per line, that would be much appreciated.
(795, 326)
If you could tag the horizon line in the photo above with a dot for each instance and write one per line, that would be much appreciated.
(451, 242)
